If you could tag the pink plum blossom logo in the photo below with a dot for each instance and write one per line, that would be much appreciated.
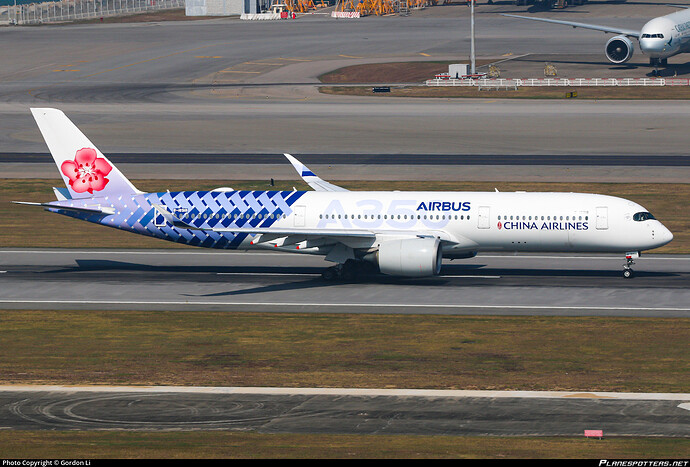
(87, 171)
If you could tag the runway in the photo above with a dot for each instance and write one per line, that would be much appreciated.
(229, 87)
(344, 411)
(491, 284)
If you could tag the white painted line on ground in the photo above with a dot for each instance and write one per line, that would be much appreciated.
(242, 252)
(278, 274)
(343, 305)
(354, 392)
(266, 274)
(471, 277)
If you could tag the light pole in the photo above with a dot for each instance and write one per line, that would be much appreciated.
(472, 57)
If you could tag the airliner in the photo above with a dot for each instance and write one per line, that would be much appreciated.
(660, 38)
(397, 233)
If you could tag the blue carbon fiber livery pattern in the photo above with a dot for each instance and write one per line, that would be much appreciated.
(198, 208)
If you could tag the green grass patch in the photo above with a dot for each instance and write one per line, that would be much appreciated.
(337, 350)
(216, 445)
(31, 227)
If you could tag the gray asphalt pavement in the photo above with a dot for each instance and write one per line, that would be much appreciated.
(182, 87)
(267, 410)
(491, 284)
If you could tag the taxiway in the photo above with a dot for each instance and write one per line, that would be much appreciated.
(349, 411)
(491, 284)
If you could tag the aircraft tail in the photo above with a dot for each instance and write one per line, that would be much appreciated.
(85, 170)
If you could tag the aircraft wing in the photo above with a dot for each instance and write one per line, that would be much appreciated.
(338, 235)
(311, 178)
(596, 27)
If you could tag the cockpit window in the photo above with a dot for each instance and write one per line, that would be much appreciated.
(653, 36)
(642, 216)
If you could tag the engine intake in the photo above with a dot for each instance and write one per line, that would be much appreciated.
(619, 49)
(412, 257)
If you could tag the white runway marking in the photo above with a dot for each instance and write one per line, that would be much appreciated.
(353, 392)
(259, 252)
(343, 305)
(278, 274)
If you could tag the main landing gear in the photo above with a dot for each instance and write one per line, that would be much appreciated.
(350, 271)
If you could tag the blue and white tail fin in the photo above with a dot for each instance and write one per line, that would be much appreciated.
(87, 173)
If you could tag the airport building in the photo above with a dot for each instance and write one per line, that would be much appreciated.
(224, 7)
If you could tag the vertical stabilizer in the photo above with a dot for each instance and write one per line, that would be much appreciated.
(85, 170)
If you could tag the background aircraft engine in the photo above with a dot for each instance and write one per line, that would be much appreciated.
(619, 49)
(412, 257)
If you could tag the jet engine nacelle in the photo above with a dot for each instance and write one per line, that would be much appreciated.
(412, 257)
(619, 49)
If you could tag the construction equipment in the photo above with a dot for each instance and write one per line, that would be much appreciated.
(494, 72)
(550, 70)
(382, 7)
(300, 6)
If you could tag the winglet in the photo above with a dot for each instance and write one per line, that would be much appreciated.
(311, 178)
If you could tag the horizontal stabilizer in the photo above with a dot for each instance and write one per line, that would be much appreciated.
(106, 211)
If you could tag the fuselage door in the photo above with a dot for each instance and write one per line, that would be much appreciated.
(602, 222)
(300, 215)
(484, 220)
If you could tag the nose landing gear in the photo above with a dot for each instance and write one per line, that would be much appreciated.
(629, 261)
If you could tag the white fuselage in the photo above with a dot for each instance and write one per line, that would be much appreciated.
(667, 35)
(482, 221)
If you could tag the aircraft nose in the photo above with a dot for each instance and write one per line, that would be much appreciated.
(664, 235)
(667, 234)
(651, 46)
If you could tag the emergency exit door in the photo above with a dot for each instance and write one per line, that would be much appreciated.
(602, 222)
(300, 214)
(484, 219)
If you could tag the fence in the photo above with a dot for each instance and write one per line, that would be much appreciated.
(501, 83)
(68, 10)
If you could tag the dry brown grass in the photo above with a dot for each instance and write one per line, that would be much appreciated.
(666, 92)
(234, 445)
(418, 72)
(396, 72)
(339, 350)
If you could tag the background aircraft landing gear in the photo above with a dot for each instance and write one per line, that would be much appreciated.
(656, 63)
